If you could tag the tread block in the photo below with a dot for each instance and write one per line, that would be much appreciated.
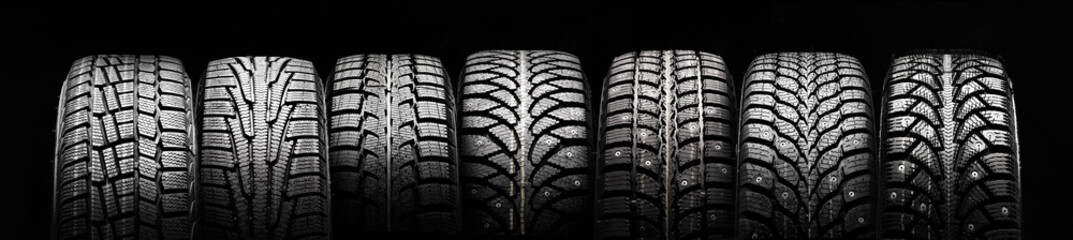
(123, 150)
(263, 162)
(807, 149)
(524, 133)
(667, 165)
(394, 159)
(950, 163)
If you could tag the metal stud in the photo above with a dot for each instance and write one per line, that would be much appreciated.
(473, 191)
(923, 206)
(851, 194)
(718, 146)
(758, 179)
(711, 217)
(860, 219)
(901, 167)
(692, 127)
(648, 163)
(548, 141)
(486, 224)
(724, 170)
(625, 117)
(644, 134)
(971, 226)
(855, 141)
(684, 182)
(1005, 211)
(618, 153)
(975, 174)
(893, 195)
(546, 193)
(577, 183)
(498, 205)
(569, 154)
(480, 142)
(573, 131)
(834, 179)
(785, 195)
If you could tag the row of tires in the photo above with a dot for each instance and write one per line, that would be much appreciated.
(266, 150)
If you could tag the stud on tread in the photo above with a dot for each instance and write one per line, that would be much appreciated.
(512, 104)
(806, 130)
(948, 114)
(668, 123)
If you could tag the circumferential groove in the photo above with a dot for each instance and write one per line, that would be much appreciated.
(524, 137)
(664, 108)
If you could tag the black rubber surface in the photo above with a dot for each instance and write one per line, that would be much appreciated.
(264, 159)
(525, 143)
(807, 154)
(123, 150)
(949, 154)
(394, 165)
(666, 166)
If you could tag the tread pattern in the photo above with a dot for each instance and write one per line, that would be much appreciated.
(263, 167)
(392, 146)
(667, 151)
(525, 144)
(807, 159)
(123, 150)
(949, 162)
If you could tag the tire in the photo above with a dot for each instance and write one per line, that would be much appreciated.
(814, 178)
(264, 164)
(392, 118)
(949, 154)
(667, 148)
(517, 106)
(123, 150)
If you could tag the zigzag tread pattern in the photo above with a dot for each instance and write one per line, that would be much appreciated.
(525, 144)
(263, 169)
(667, 148)
(806, 154)
(123, 150)
(420, 152)
(949, 153)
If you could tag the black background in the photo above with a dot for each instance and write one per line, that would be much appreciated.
(1031, 38)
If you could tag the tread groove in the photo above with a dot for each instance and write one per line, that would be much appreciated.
(524, 126)
(672, 114)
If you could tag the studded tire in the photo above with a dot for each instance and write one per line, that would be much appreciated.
(949, 152)
(525, 145)
(124, 150)
(264, 159)
(666, 166)
(807, 149)
(392, 142)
